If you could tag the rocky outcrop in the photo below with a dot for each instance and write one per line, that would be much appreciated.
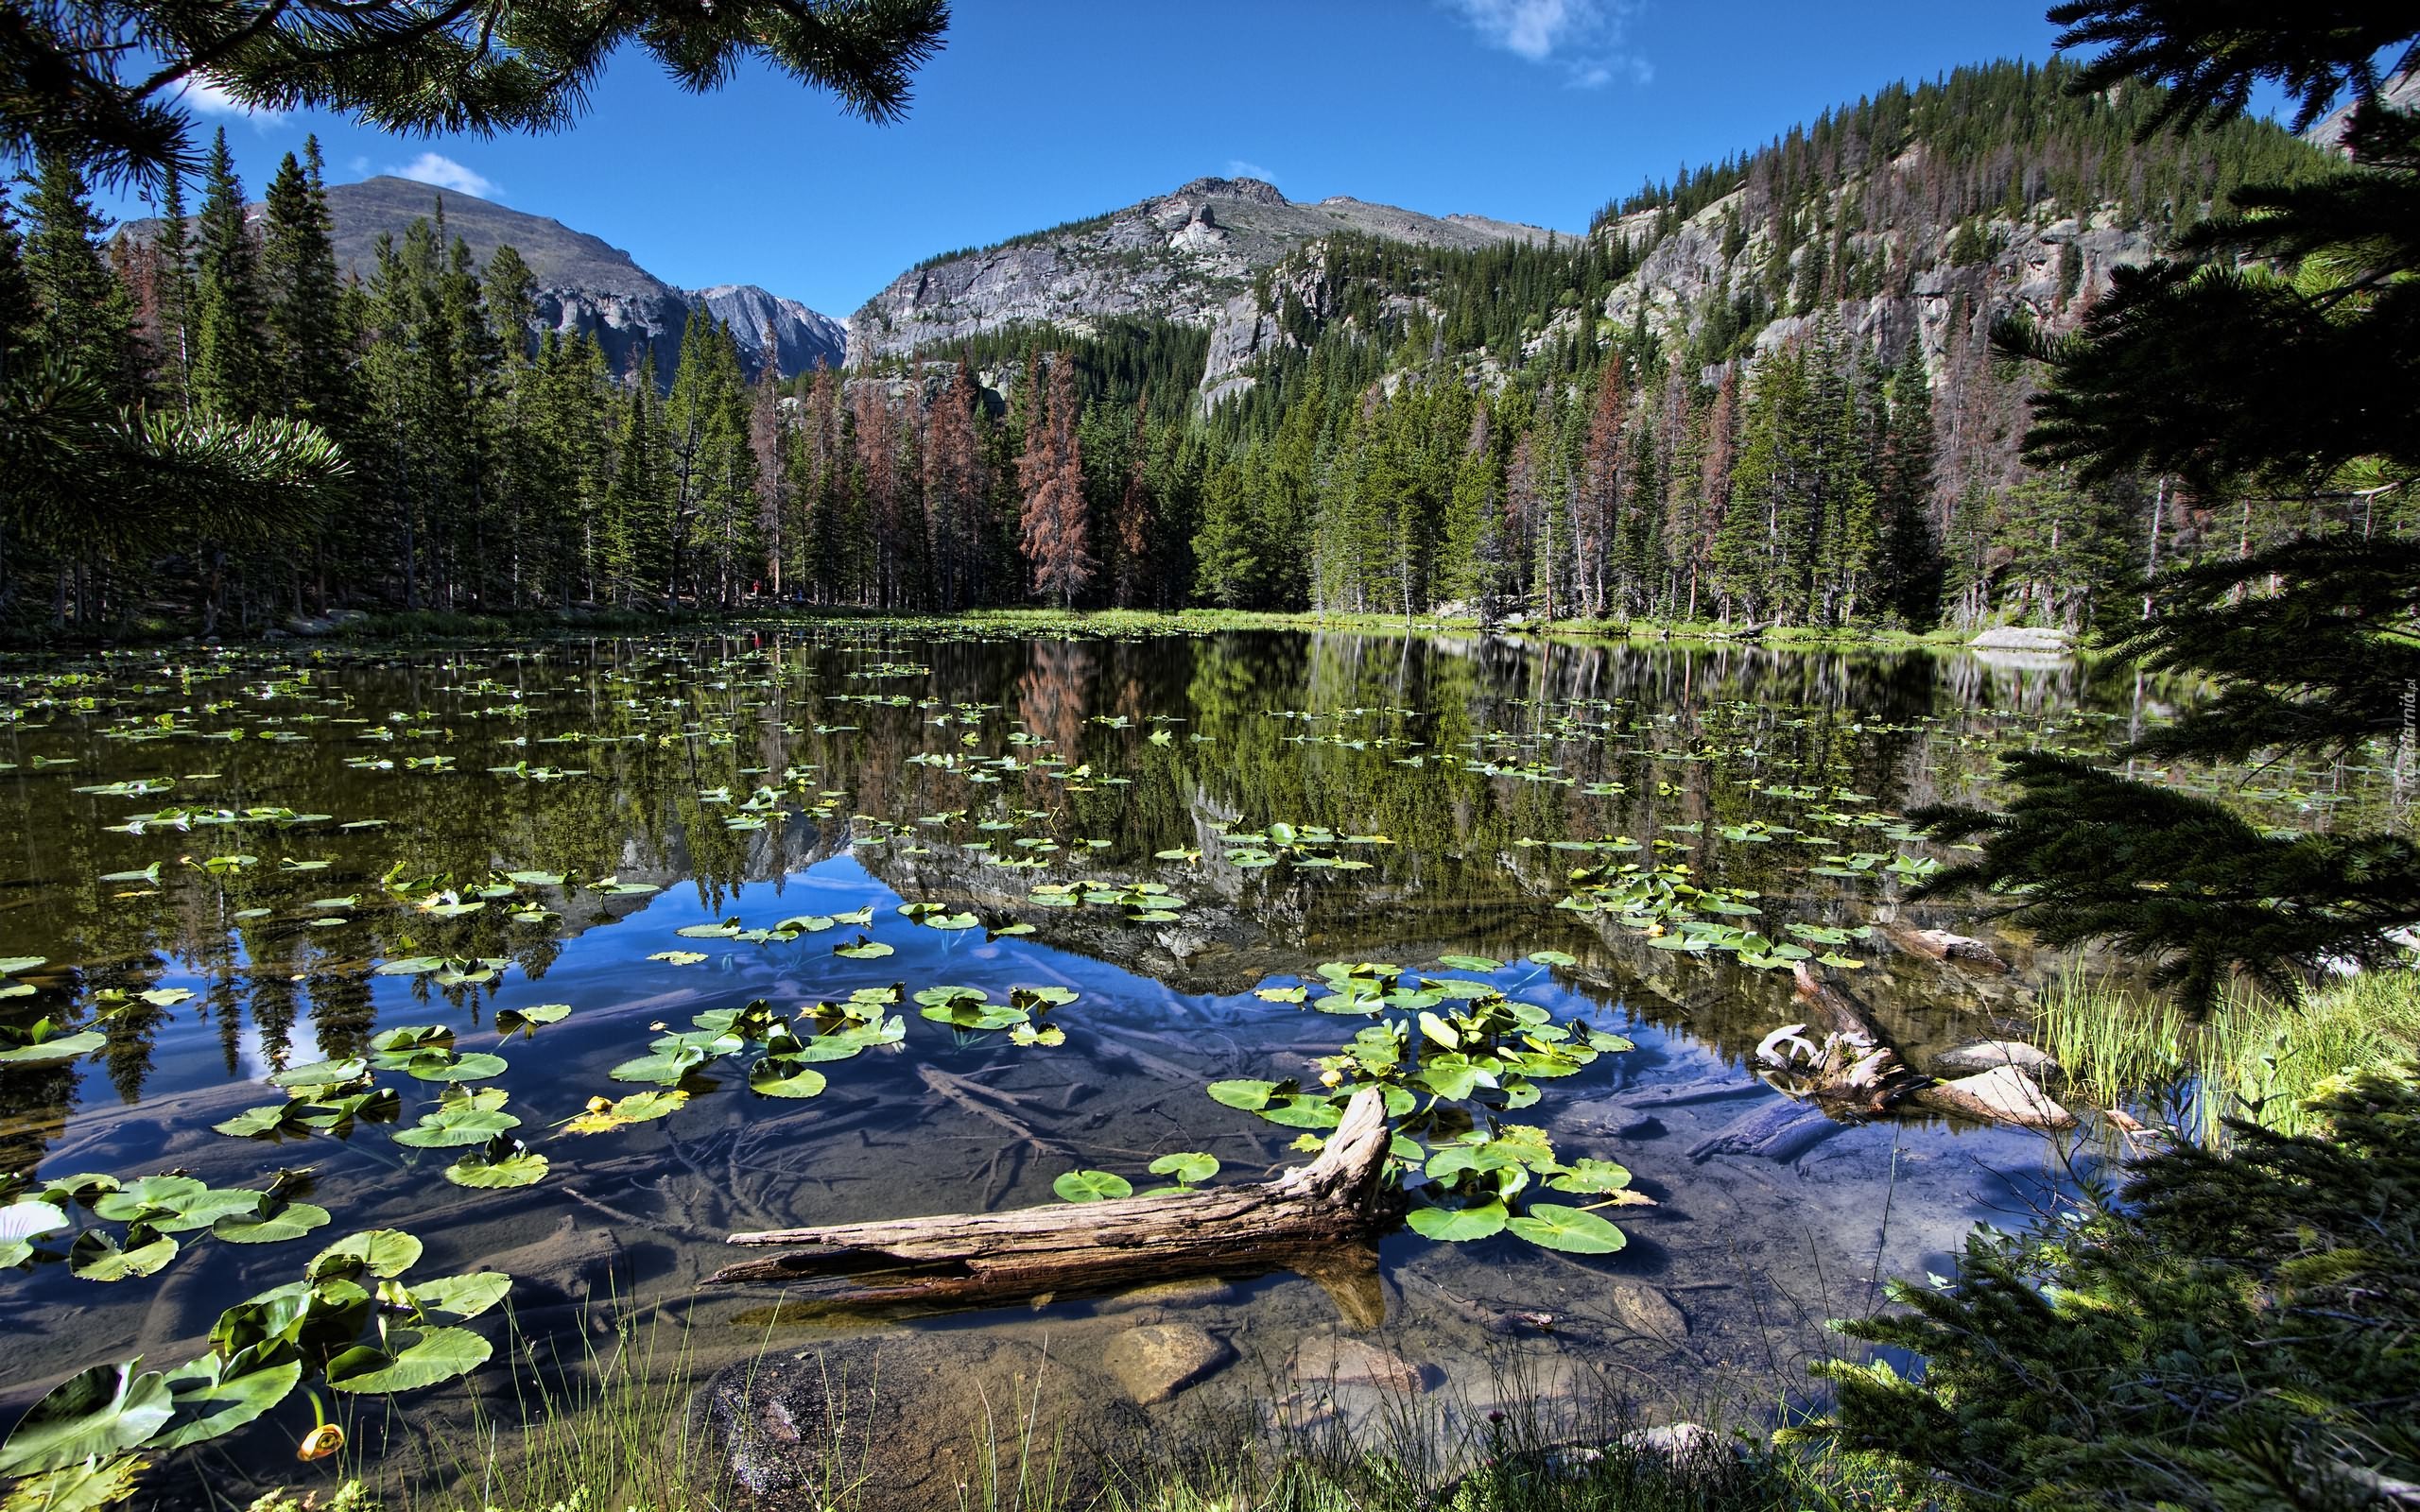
(1190, 256)
(795, 337)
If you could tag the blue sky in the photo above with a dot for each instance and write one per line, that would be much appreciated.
(1044, 110)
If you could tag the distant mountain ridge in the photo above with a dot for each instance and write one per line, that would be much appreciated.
(585, 286)
(1191, 256)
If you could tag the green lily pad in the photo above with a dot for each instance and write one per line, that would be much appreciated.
(528, 1021)
(1590, 1177)
(97, 1257)
(459, 1297)
(426, 1359)
(38, 1045)
(1190, 1167)
(1458, 1225)
(381, 1253)
(275, 1224)
(1568, 1229)
(1251, 1096)
(96, 1411)
(213, 1397)
(1092, 1186)
(780, 1078)
(503, 1162)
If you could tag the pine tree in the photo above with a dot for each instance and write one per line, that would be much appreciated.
(173, 295)
(230, 372)
(1051, 473)
(1910, 555)
(307, 337)
(81, 314)
(2234, 378)
(957, 490)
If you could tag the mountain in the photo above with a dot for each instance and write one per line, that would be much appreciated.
(1190, 257)
(802, 338)
(1922, 212)
(584, 284)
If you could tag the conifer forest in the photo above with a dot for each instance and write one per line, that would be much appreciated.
(1745, 851)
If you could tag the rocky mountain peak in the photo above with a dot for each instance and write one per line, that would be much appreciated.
(1257, 190)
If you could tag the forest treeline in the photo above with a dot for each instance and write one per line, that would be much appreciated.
(1432, 428)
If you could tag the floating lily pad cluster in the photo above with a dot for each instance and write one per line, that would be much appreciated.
(1666, 905)
(969, 1009)
(134, 1229)
(789, 1049)
(351, 1320)
(1309, 846)
(1451, 1056)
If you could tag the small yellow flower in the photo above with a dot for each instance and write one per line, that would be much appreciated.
(321, 1442)
(1653, 931)
(1331, 1077)
(600, 1105)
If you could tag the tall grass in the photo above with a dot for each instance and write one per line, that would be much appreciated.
(2256, 1055)
(602, 1429)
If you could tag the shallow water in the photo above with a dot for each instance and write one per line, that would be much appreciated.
(1464, 764)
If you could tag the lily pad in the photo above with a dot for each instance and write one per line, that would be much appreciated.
(1092, 1186)
(426, 1359)
(777, 1078)
(96, 1411)
(1458, 1225)
(277, 1222)
(381, 1253)
(1568, 1229)
(503, 1162)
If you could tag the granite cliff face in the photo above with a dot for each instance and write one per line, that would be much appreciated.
(1229, 254)
(584, 284)
(1190, 256)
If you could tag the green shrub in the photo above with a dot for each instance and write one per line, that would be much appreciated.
(2241, 1330)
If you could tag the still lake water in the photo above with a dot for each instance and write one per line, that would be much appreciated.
(679, 784)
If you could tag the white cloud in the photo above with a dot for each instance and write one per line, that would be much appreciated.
(442, 171)
(1584, 38)
(208, 96)
(360, 164)
(1239, 168)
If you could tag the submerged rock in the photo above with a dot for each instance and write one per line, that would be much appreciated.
(906, 1422)
(1353, 1363)
(1155, 1361)
(1645, 1310)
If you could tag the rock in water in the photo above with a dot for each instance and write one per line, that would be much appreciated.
(1645, 1310)
(1986, 1055)
(1155, 1361)
(2004, 1096)
(906, 1422)
(1352, 1363)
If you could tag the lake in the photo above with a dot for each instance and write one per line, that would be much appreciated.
(231, 864)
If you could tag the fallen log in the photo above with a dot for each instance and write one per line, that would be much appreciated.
(1855, 1073)
(1316, 1219)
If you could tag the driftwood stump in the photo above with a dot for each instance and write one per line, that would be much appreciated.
(1315, 1219)
(1855, 1073)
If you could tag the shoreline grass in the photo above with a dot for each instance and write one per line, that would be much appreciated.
(2256, 1056)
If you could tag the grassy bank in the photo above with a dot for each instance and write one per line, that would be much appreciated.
(2256, 1056)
